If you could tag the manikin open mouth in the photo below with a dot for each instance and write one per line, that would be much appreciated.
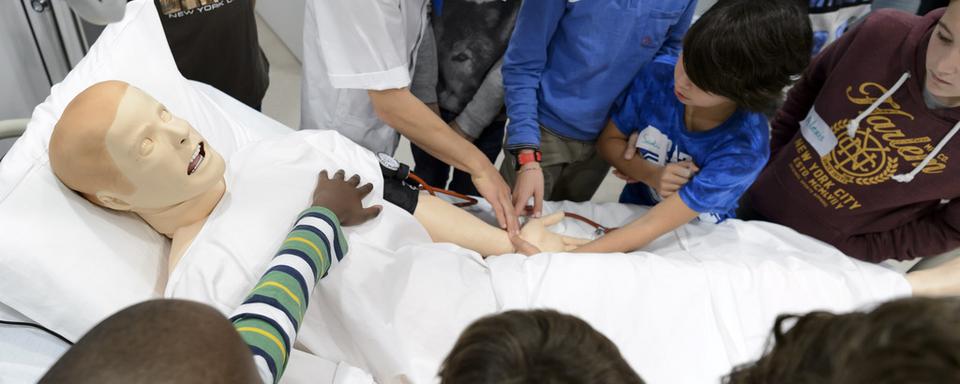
(196, 160)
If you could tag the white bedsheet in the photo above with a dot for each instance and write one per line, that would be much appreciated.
(25, 353)
(702, 300)
(686, 309)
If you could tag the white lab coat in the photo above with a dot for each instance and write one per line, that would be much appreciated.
(349, 47)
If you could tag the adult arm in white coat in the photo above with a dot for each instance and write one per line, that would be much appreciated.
(401, 110)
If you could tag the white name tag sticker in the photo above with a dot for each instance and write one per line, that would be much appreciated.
(818, 133)
(653, 144)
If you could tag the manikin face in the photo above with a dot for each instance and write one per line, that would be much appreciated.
(689, 94)
(165, 159)
(943, 58)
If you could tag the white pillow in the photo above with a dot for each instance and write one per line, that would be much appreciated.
(64, 262)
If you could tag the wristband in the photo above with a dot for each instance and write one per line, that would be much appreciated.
(524, 158)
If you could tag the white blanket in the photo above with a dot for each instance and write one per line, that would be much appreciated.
(686, 309)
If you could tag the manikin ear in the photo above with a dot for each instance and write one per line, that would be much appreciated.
(112, 201)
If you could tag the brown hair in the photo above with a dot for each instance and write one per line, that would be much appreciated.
(913, 340)
(539, 346)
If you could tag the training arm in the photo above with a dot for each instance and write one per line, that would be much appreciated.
(523, 63)
(448, 224)
(664, 217)
(269, 318)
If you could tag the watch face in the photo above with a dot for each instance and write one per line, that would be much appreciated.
(388, 162)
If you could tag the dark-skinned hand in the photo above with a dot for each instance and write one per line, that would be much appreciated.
(344, 198)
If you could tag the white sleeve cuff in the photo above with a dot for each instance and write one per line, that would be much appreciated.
(394, 78)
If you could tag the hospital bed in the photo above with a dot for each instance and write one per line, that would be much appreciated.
(12, 128)
(703, 296)
(26, 352)
(9, 131)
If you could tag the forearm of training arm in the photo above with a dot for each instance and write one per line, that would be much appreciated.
(448, 224)
(413, 119)
(670, 214)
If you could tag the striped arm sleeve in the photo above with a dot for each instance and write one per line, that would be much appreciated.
(270, 316)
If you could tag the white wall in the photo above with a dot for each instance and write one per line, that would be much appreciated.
(703, 5)
(285, 18)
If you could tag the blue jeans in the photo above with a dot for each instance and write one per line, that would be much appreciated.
(436, 172)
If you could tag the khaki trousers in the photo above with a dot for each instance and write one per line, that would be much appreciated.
(572, 170)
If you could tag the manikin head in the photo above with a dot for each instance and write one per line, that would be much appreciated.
(943, 58)
(122, 149)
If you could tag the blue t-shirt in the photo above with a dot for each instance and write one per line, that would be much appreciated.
(730, 156)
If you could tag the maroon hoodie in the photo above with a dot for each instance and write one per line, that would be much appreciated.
(845, 190)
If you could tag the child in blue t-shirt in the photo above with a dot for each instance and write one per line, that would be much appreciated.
(690, 134)
(732, 153)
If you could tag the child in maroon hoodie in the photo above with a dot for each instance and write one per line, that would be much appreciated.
(862, 156)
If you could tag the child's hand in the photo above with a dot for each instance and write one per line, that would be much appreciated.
(631, 148)
(624, 176)
(344, 198)
(537, 238)
(673, 176)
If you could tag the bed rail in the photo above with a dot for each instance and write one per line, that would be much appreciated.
(12, 128)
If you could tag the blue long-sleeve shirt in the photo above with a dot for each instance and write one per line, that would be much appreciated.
(569, 61)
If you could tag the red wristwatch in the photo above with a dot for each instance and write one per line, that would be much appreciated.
(524, 158)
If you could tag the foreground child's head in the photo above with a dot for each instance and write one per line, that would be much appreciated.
(540, 346)
(744, 51)
(905, 341)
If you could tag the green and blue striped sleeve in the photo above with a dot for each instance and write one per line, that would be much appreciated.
(269, 318)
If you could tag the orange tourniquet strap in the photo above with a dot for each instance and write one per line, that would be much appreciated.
(601, 230)
(468, 201)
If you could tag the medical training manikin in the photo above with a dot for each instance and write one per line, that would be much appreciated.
(120, 148)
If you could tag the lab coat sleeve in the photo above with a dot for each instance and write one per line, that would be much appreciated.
(363, 43)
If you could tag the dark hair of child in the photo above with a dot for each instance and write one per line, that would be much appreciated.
(749, 50)
(914, 340)
(539, 346)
